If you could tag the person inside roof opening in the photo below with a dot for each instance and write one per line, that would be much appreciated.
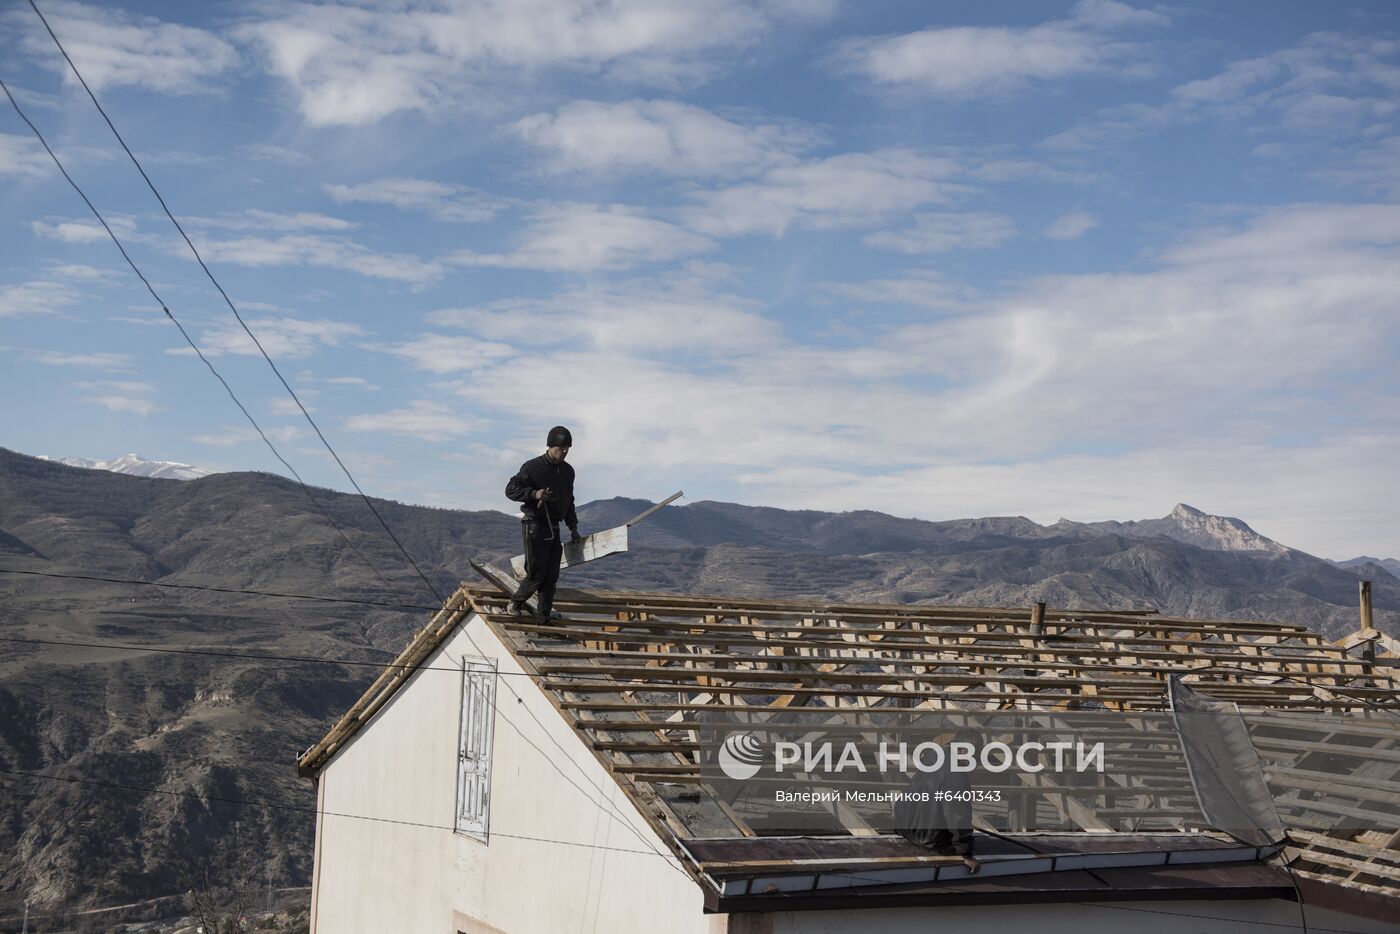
(544, 488)
(944, 826)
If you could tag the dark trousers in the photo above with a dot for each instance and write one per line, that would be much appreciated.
(543, 552)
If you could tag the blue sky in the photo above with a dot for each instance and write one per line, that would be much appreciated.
(939, 260)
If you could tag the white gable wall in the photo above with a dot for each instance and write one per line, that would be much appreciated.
(380, 876)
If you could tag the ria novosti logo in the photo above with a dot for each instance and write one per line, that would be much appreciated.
(741, 756)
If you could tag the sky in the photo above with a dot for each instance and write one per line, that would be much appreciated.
(1082, 260)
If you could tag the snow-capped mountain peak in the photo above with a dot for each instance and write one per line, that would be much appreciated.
(138, 466)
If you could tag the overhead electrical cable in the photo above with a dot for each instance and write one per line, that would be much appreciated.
(278, 806)
(249, 656)
(233, 308)
(286, 385)
(671, 859)
(226, 590)
(189, 340)
(618, 815)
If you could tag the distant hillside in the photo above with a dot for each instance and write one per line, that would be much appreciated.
(1365, 564)
(231, 728)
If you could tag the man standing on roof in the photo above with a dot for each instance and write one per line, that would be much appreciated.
(544, 488)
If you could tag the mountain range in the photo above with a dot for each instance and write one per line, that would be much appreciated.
(146, 753)
(1184, 523)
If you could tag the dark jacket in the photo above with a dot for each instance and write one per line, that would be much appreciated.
(543, 474)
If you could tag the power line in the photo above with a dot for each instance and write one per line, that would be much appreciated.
(227, 590)
(146, 649)
(294, 660)
(250, 656)
(671, 859)
(380, 666)
(277, 806)
(228, 301)
(615, 812)
(433, 590)
(189, 340)
(389, 531)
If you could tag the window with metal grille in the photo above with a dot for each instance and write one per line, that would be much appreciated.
(474, 747)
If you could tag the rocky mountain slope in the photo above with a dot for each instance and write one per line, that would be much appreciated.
(1365, 564)
(1191, 526)
(108, 722)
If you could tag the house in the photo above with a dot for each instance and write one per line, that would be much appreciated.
(500, 776)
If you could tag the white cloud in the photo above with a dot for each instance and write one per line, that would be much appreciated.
(915, 288)
(114, 48)
(255, 219)
(848, 190)
(659, 136)
(1375, 167)
(672, 313)
(1329, 83)
(1070, 226)
(38, 297)
(76, 271)
(320, 250)
(120, 396)
(422, 418)
(113, 403)
(355, 64)
(358, 381)
(1018, 170)
(267, 152)
(231, 435)
(85, 231)
(99, 360)
(969, 61)
(442, 353)
(441, 200)
(573, 237)
(1236, 338)
(287, 406)
(283, 338)
(23, 157)
(937, 231)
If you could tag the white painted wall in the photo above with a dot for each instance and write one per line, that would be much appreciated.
(383, 877)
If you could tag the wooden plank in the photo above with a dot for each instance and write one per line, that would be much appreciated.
(939, 659)
(661, 505)
(772, 609)
(1006, 641)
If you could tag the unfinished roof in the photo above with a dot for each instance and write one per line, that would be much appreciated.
(644, 679)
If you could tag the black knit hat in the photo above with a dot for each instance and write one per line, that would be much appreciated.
(559, 437)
